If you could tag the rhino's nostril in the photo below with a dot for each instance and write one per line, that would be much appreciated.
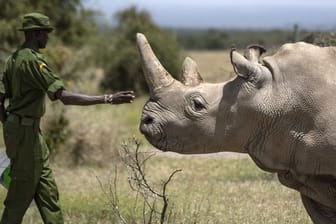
(148, 120)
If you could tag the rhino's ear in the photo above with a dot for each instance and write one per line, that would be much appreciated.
(253, 52)
(241, 65)
(190, 73)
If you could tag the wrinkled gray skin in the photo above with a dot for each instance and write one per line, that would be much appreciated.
(280, 109)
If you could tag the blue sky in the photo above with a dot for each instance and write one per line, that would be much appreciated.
(239, 14)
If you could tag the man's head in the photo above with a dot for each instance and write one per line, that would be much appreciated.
(36, 27)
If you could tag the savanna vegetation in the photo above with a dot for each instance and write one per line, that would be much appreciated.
(89, 166)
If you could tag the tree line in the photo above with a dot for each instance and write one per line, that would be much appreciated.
(76, 28)
(113, 48)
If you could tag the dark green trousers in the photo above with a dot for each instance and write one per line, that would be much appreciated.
(31, 175)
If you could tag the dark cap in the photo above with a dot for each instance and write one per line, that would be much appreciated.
(36, 21)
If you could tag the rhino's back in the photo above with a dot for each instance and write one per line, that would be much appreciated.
(297, 62)
(307, 72)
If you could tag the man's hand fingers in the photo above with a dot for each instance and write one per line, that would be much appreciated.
(126, 93)
(121, 97)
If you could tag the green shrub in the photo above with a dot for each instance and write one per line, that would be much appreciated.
(119, 57)
(56, 128)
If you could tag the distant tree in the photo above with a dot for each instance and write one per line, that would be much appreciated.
(210, 39)
(296, 33)
(71, 21)
(9, 24)
(215, 39)
(321, 39)
(73, 26)
(119, 56)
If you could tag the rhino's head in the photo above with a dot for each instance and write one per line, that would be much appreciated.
(193, 116)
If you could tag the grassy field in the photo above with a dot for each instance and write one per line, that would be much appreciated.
(214, 66)
(210, 189)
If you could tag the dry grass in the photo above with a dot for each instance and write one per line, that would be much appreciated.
(214, 66)
(209, 190)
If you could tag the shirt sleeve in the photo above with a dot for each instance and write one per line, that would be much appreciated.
(44, 78)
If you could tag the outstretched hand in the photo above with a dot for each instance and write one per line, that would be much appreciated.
(120, 97)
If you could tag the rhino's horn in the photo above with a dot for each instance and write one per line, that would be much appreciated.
(155, 74)
(241, 65)
(190, 74)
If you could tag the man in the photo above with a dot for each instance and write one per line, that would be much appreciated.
(26, 80)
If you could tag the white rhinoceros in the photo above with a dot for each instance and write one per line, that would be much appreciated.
(280, 110)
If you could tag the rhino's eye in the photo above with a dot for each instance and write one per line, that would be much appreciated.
(197, 104)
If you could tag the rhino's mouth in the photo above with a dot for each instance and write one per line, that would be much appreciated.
(154, 127)
(160, 141)
(169, 145)
(155, 135)
(152, 133)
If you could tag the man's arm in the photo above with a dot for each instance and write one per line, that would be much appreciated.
(68, 98)
(2, 108)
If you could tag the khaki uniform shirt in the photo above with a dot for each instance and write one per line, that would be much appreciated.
(26, 80)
